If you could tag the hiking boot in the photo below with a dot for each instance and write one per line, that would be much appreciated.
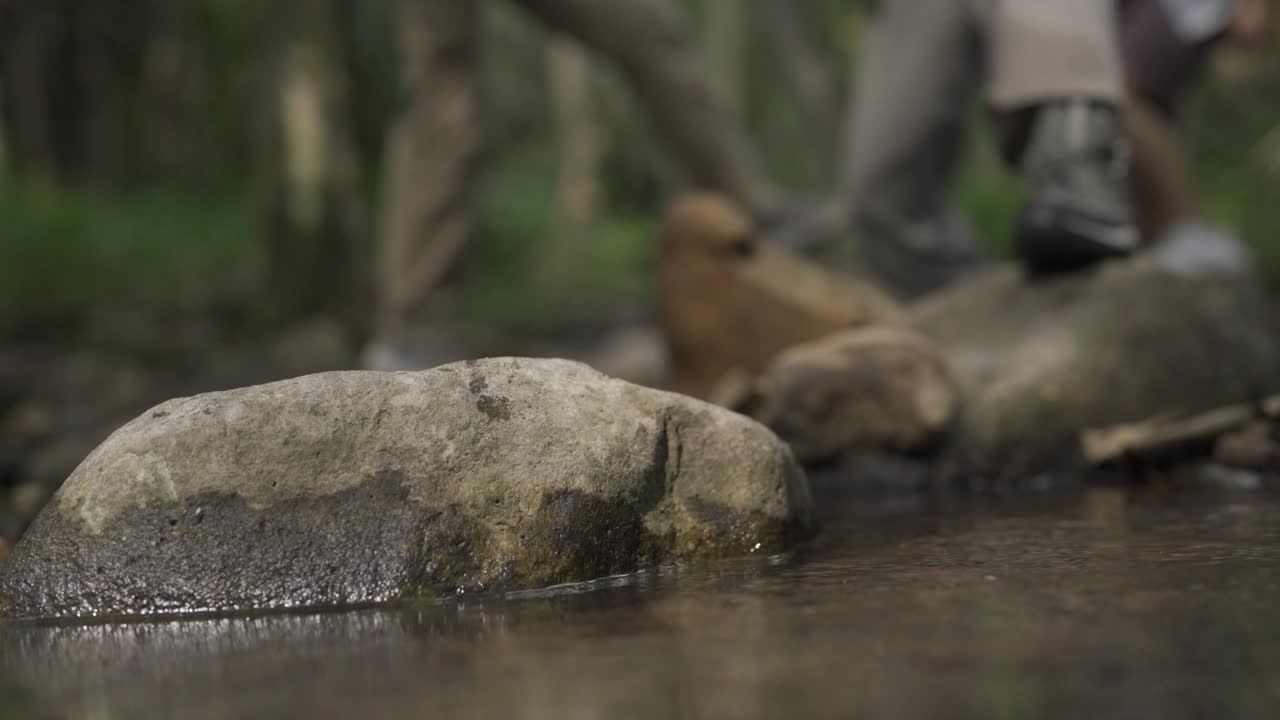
(1078, 210)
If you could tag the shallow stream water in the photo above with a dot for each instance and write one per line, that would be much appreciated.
(1096, 603)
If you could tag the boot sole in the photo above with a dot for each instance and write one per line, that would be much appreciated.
(1054, 239)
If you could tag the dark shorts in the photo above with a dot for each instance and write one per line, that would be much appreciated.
(1161, 65)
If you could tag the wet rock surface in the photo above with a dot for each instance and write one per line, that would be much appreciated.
(353, 488)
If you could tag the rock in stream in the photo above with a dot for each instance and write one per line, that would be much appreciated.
(351, 488)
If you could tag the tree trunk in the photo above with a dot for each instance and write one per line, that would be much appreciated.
(429, 163)
(173, 88)
(1268, 153)
(312, 215)
(580, 141)
(4, 138)
(725, 30)
(812, 76)
(28, 74)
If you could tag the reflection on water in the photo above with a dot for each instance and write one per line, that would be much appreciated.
(1106, 603)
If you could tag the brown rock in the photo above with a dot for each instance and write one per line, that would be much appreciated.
(1253, 446)
(874, 388)
(729, 300)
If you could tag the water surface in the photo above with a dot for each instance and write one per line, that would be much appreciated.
(1101, 603)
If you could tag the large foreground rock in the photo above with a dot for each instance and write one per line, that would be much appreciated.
(350, 488)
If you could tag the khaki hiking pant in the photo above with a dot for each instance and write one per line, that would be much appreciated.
(924, 62)
(431, 149)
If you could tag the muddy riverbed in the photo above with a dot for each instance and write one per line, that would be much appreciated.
(1092, 603)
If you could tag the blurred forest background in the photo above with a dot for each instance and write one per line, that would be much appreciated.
(154, 154)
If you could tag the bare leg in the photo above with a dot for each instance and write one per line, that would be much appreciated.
(1166, 191)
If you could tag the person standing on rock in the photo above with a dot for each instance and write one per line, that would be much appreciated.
(1055, 79)
(1055, 83)
(432, 146)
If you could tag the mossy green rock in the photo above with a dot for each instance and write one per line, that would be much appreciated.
(352, 488)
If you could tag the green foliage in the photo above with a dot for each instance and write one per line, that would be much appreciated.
(1226, 127)
(62, 251)
(611, 263)
(153, 240)
(988, 193)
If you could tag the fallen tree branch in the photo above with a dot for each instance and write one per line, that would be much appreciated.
(1166, 435)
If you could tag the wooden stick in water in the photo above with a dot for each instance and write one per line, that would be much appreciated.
(1166, 435)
